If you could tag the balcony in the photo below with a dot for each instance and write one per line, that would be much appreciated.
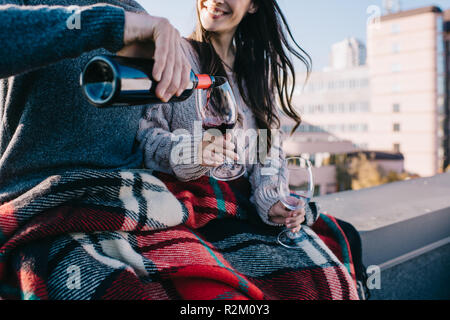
(405, 231)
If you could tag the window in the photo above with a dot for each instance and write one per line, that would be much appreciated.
(395, 48)
(320, 86)
(364, 127)
(396, 127)
(396, 88)
(396, 108)
(395, 28)
(352, 83)
(396, 147)
(352, 107)
(365, 107)
(396, 67)
(364, 83)
(331, 85)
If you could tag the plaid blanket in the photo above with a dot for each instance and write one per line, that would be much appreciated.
(131, 235)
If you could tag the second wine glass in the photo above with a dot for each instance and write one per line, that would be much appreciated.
(218, 110)
(295, 191)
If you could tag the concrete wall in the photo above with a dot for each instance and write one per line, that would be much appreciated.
(405, 231)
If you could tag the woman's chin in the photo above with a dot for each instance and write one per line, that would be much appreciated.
(212, 24)
(212, 27)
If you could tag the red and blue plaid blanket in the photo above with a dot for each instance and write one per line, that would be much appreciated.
(130, 235)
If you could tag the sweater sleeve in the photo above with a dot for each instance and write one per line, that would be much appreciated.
(35, 36)
(265, 179)
(174, 152)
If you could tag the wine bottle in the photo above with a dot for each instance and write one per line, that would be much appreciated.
(112, 81)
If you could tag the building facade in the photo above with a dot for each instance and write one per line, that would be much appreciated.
(338, 102)
(347, 54)
(399, 101)
(407, 81)
(447, 86)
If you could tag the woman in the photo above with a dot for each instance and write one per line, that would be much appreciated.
(246, 41)
(99, 230)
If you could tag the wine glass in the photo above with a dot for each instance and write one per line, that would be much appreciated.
(218, 110)
(295, 191)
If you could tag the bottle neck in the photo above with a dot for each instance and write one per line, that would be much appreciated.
(202, 81)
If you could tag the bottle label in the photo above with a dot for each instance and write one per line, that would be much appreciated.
(140, 84)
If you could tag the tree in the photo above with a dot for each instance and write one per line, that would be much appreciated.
(343, 178)
(393, 176)
(364, 173)
(358, 172)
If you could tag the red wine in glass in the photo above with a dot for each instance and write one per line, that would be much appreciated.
(218, 110)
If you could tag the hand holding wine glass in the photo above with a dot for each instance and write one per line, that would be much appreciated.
(215, 149)
(219, 112)
(292, 219)
(295, 190)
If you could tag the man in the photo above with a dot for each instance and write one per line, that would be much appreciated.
(46, 125)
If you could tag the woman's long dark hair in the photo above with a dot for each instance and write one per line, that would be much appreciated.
(262, 65)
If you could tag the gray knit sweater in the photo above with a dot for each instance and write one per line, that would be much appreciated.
(168, 127)
(46, 125)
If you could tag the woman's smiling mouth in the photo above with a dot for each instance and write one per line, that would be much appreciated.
(214, 11)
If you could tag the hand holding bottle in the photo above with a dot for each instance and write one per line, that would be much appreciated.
(146, 36)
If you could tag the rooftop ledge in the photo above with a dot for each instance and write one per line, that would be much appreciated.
(405, 230)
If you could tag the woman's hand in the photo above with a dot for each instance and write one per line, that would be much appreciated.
(291, 219)
(147, 36)
(212, 154)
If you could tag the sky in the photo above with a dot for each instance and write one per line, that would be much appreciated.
(315, 24)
